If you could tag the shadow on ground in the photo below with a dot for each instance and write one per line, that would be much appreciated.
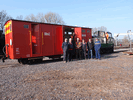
(103, 56)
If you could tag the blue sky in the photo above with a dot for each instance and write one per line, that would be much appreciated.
(116, 15)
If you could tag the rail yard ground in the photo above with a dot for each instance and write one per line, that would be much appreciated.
(110, 78)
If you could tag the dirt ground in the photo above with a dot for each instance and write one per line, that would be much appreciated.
(110, 78)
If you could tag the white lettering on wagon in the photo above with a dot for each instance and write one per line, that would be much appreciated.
(47, 33)
(35, 44)
(28, 55)
(83, 35)
(17, 51)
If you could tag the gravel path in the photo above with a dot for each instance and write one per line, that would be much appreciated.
(110, 78)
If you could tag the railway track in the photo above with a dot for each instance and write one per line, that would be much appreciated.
(120, 47)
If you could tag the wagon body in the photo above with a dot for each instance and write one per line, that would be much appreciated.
(27, 39)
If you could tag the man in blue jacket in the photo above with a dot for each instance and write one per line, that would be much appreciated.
(97, 48)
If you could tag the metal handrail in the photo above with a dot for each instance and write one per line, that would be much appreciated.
(4, 48)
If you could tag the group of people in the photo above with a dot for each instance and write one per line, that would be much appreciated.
(72, 48)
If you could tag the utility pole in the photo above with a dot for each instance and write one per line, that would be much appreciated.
(116, 38)
(0, 25)
(130, 40)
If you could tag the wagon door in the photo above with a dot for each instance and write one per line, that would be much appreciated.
(58, 40)
(47, 40)
(35, 36)
(78, 32)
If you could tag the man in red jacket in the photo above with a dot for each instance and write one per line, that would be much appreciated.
(78, 49)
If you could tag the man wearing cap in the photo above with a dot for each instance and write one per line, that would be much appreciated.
(97, 47)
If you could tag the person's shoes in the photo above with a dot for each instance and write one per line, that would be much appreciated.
(99, 59)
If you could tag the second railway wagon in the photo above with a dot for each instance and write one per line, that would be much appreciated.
(27, 40)
(106, 39)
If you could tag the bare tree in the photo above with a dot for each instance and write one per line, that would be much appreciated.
(125, 41)
(47, 18)
(31, 17)
(19, 17)
(40, 17)
(54, 18)
(3, 18)
(102, 28)
(94, 30)
(119, 41)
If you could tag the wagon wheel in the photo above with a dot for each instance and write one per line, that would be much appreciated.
(30, 61)
(39, 60)
(20, 61)
(112, 49)
(24, 61)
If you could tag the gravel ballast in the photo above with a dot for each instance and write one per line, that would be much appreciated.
(110, 78)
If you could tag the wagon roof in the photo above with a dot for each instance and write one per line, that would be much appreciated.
(45, 23)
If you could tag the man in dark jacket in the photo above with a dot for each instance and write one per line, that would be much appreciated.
(70, 49)
(65, 48)
(74, 43)
(90, 48)
(83, 46)
(97, 49)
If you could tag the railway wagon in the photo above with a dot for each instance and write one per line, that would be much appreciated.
(27, 41)
(2, 42)
(106, 39)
